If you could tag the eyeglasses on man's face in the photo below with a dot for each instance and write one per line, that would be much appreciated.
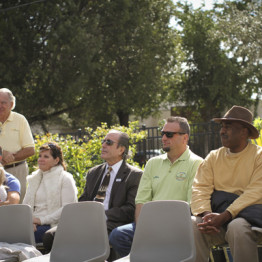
(109, 142)
(171, 134)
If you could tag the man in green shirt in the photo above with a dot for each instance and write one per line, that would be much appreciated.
(166, 177)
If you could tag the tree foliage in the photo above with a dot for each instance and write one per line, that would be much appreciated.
(221, 62)
(89, 61)
(211, 81)
(239, 25)
(258, 124)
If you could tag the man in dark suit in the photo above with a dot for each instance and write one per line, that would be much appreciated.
(120, 196)
(120, 193)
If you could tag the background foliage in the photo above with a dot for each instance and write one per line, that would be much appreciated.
(258, 125)
(84, 154)
(222, 58)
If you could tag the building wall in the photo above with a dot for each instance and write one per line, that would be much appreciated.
(152, 120)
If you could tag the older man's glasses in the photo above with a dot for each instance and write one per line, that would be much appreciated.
(170, 134)
(109, 142)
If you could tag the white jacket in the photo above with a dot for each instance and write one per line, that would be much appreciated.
(59, 188)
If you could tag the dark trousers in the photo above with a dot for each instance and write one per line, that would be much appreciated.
(48, 239)
(39, 233)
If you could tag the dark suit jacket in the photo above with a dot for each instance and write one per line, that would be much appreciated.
(121, 208)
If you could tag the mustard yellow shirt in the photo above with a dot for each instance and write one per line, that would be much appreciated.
(239, 173)
(15, 133)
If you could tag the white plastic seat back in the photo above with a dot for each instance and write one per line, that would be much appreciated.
(163, 233)
(16, 224)
(81, 234)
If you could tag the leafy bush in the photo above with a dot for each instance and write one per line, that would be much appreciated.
(258, 125)
(83, 154)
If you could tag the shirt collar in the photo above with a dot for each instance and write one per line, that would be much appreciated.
(10, 117)
(183, 157)
(116, 166)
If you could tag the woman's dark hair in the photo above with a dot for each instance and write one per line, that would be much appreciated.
(56, 151)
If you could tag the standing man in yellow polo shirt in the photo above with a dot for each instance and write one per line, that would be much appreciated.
(16, 139)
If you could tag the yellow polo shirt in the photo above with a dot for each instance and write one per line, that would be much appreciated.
(239, 173)
(15, 133)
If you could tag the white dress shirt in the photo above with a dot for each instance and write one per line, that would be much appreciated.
(113, 174)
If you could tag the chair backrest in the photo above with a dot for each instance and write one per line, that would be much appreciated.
(164, 233)
(16, 224)
(81, 233)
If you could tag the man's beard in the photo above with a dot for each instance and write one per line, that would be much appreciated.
(166, 149)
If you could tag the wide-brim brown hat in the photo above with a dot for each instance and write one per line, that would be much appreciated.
(242, 115)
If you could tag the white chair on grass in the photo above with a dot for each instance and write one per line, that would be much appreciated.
(163, 233)
(16, 227)
(81, 235)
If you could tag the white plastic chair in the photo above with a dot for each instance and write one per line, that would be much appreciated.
(16, 224)
(81, 235)
(163, 233)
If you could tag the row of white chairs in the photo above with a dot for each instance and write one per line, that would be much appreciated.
(163, 233)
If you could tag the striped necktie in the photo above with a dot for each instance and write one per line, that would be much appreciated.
(101, 193)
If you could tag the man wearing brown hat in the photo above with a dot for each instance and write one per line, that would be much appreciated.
(227, 191)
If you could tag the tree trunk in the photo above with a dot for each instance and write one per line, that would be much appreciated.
(123, 118)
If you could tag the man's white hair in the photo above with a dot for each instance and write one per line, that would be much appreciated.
(10, 95)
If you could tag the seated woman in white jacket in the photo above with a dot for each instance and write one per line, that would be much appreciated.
(49, 189)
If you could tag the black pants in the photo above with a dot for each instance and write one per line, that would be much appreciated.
(48, 239)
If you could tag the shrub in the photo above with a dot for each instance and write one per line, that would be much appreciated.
(83, 154)
(258, 125)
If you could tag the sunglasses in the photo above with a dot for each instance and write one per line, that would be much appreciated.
(109, 142)
(171, 134)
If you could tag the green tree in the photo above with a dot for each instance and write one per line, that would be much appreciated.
(239, 27)
(210, 82)
(87, 61)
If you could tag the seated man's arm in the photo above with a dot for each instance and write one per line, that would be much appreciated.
(138, 210)
(145, 191)
(13, 197)
(85, 196)
(202, 189)
(13, 194)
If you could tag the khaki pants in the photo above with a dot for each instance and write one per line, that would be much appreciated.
(241, 239)
(20, 172)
